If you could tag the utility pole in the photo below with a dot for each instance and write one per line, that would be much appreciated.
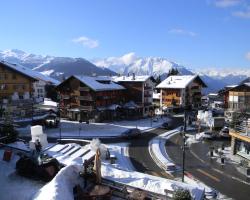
(184, 143)
(60, 128)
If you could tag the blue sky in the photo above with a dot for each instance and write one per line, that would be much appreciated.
(196, 33)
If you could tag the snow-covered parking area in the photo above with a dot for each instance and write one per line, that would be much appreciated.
(112, 129)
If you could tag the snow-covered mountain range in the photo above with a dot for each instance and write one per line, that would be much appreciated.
(56, 67)
(214, 78)
(128, 63)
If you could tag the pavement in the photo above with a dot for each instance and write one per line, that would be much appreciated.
(224, 178)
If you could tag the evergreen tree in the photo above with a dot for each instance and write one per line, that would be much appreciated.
(173, 72)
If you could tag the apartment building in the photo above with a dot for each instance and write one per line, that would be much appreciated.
(180, 91)
(139, 92)
(90, 98)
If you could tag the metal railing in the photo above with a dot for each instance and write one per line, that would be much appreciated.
(241, 127)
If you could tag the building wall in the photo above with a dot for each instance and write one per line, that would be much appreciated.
(12, 81)
(81, 102)
(191, 95)
(239, 100)
(170, 97)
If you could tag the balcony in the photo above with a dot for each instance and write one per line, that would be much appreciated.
(86, 98)
(148, 88)
(66, 97)
(84, 89)
(148, 95)
(87, 108)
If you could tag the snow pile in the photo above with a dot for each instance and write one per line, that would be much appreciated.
(12, 185)
(61, 187)
(148, 182)
(158, 152)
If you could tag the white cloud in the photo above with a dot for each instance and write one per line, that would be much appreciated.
(243, 14)
(226, 3)
(182, 32)
(248, 55)
(87, 42)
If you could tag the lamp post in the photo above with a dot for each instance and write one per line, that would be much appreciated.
(60, 128)
(184, 143)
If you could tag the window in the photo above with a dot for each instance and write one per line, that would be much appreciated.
(13, 76)
(6, 76)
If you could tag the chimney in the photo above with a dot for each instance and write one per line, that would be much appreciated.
(128, 74)
(133, 76)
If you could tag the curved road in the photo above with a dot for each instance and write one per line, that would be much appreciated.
(226, 179)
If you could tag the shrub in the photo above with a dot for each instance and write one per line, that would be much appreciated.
(182, 194)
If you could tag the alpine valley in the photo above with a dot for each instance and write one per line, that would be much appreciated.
(60, 67)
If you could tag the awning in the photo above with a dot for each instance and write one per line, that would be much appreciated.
(131, 105)
(74, 110)
(113, 107)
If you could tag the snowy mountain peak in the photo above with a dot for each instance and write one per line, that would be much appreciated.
(131, 63)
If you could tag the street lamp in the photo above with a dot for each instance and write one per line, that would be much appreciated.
(183, 133)
(60, 129)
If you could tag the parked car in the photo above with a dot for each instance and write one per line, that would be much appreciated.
(131, 133)
(167, 125)
(208, 135)
(224, 132)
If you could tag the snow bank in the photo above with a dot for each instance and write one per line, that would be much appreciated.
(14, 186)
(158, 152)
(148, 182)
(61, 187)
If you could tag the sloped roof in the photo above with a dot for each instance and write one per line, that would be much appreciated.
(179, 82)
(29, 72)
(93, 83)
(130, 78)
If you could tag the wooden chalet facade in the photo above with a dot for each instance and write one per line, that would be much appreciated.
(180, 91)
(13, 81)
(90, 98)
(139, 89)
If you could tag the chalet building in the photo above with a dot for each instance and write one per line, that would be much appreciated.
(139, 93)
(90, 98)
(18, 88)
(240, 139)
(180, 91)
(13, 81)
(239, 98)
(22, 81)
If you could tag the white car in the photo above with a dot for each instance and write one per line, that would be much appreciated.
(224, 132)
(208, 135)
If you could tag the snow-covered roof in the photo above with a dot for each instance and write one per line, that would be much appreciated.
(30, 73)
(156, 95)
(130, 78)
(178, 82)
(93, 83)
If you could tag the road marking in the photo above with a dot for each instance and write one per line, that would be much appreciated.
(208, 175)
(232, 177)
(197, 157)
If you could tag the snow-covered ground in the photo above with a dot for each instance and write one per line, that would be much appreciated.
(60, 187)
(13, 186)
(112, 129)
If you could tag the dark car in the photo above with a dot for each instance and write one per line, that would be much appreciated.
(167, 125)
(131, 133)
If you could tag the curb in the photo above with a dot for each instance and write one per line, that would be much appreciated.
(157, 144)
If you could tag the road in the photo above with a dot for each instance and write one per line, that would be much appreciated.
(225, 178)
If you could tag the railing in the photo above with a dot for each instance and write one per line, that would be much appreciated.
(84, 89)
(86, 98)
(66, 97)
(242, 128)
(147, 88)
(88, 108)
